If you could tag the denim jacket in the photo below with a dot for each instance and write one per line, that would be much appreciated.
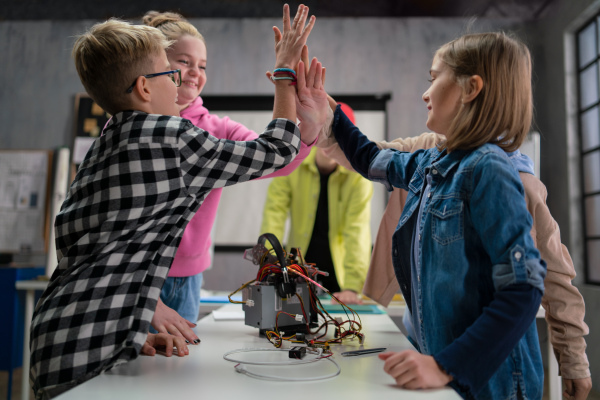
(475, 242)
(475, 249)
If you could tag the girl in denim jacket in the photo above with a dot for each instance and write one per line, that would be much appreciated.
(462, 251)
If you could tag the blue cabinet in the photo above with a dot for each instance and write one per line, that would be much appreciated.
(12, 309)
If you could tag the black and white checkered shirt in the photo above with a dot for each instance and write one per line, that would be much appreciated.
(118, 230)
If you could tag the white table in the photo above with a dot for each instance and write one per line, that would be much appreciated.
(205, 374)
(205, 327)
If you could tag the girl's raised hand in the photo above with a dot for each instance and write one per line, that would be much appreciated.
(288, 45)
(311, 104)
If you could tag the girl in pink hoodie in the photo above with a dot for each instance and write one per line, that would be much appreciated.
(181, 290)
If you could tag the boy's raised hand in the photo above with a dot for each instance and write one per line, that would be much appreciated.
(413, 370)
(311, 102)
(288, 44)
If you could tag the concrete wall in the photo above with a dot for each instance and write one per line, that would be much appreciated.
(366, 55)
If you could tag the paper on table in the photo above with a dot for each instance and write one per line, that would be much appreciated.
(228, 315)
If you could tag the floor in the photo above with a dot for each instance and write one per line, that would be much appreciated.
(16, 389)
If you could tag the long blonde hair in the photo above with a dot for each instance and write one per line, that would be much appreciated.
(111, 55)
(171, 24)
(502, 112)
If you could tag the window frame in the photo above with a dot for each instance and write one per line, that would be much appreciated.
(582, 153)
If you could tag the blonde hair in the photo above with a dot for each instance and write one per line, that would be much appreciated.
(172, 25)
(111, 56)
(502, 112)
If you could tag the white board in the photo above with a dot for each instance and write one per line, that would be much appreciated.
(240, 211)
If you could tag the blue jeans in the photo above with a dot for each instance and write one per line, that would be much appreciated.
(182, 294)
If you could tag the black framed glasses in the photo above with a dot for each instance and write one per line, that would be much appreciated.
(175, 76)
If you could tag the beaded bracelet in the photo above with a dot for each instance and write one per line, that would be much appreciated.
(279, 78)
(291, 71)
(279, 73)
(284, 73)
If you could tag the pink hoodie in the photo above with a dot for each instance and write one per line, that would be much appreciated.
(193, 255)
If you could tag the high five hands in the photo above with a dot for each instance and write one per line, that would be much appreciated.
(311, 101)
(289, 44)
(291, 51)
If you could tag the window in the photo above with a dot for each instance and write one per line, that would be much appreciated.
(588, 75)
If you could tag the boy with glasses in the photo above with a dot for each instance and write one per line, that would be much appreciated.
(135, 191)
(175, 76)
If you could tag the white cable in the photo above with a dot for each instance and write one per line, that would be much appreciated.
(243, 370)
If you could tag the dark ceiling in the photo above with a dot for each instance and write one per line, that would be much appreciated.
(131, 9)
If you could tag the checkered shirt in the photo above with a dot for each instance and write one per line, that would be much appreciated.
(118, 230)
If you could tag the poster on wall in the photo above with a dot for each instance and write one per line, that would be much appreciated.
(24, 179)
(90, 118)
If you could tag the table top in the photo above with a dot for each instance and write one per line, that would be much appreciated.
(31, 285)
(205, 373)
